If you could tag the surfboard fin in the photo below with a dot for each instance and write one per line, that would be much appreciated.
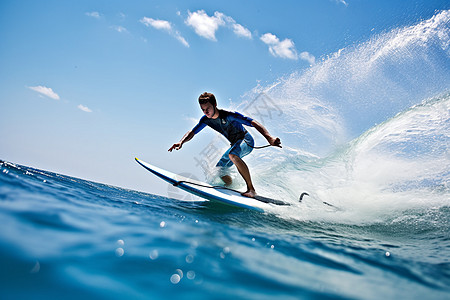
(301, 196)
(326, 203)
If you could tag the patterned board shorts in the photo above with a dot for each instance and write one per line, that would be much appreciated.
(241, 148)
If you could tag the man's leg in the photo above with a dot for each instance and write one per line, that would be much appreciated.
(224, 164)
(245, 173)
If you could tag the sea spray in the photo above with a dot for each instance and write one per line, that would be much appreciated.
(360, 131)
(360, 86)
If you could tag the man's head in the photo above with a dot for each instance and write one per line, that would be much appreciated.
(207, 97)
(208, 104)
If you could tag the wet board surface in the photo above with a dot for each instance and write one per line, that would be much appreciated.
(211, 193)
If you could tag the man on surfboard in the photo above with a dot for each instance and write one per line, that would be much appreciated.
(229, 124)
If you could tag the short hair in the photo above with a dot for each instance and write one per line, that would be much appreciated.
(207, 97)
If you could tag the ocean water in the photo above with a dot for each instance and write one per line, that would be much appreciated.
(366, 130)
(64, 237)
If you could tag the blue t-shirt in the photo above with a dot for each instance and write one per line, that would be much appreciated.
(228, 123)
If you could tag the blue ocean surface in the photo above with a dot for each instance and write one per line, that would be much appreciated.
(64, 237)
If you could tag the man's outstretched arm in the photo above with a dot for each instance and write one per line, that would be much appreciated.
(187, 137)
(274, 141)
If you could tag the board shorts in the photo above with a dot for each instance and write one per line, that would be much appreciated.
(241, 148)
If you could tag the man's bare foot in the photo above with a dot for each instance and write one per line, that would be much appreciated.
(227, 180)
(250, 194)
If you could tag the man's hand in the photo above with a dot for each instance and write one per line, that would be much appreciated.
(274, 141)
(187, 137)
(176, 146)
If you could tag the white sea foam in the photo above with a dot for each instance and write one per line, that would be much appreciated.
(328, 120)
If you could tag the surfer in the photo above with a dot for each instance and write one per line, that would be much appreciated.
(229, 124)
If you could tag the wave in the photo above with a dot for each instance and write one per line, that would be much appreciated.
(357, 87)
(346, 142)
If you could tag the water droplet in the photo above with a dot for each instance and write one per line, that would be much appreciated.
(154, 254)
(190, 275)
(388, 254)
(175, 278)
(120, 242)
(119, 252)
(162, 224)
(189, 258)
(179, 272)
(194, 244)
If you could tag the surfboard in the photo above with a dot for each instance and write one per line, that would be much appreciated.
(212, 193)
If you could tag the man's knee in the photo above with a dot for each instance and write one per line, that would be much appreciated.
(233, 157)
(227, 179)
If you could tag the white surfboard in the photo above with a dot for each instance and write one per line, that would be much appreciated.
(211, 193)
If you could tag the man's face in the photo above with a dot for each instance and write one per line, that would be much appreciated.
(208, 109)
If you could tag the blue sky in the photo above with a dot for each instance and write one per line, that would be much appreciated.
(85, 86)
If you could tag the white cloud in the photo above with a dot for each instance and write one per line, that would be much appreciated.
(242, 31)
(93, 14)
(342, 2)
(165, 26)
(158, 24)
(181, 39)
(119, 29)
(207, 26)
(270, 39)
(48, 92)
(122, 16)
(84, 108)
(308, 57)
(284, 49)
